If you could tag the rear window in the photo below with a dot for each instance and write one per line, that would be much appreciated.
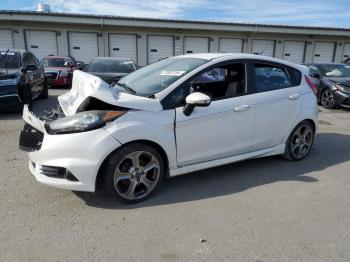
(53, 62)
(111, 66)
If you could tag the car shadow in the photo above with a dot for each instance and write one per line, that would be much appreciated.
(238, 177)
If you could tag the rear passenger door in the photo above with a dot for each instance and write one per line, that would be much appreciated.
(277, 102)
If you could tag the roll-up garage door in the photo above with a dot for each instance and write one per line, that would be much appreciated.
(159, 47)
(6, 40)
(263, 47)
(41, 43)
(194, 45)
(83, 46)
(346, 51)
(294, 51)
(228, 45)
(323, 52)
(123, 46)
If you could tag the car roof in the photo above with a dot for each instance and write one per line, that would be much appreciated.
(230, 56)
(57, 56)
(112, 58)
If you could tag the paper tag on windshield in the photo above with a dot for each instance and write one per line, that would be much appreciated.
(172, 73)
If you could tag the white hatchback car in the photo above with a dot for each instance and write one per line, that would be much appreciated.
(172, 117)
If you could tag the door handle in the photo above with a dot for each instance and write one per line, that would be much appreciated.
(293, 97)
(241, 108)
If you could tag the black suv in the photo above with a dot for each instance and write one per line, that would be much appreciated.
(22, 79)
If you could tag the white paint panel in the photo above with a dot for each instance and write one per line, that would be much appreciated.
(294, 51)
(123, 46)
(41, 43)
(6, 40)
(159, 47)
(346, 51)
(83, 46)
(194, 45)
(263, 47)
(323, 52)
(227, 45)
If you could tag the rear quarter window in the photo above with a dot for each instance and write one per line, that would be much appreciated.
(295, 76)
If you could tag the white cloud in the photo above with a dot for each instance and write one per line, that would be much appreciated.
(298, 12)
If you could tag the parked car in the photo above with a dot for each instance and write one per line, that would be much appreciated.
(163, 121)
(59, 70)
(82, 66)
(111, 69)
(333, 84)
(22, 79)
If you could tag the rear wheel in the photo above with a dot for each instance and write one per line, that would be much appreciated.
(327, 98)
(134, 172)
(300, 141)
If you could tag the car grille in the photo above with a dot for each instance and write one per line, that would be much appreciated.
(9, 100)
(51, 75)
(30, 139)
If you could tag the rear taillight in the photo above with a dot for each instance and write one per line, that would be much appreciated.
(311, 85)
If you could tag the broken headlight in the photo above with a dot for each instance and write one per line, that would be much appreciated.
(81, 122)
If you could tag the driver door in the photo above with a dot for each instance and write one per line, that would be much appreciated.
(222, 129)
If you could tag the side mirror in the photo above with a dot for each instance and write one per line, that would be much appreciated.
(195, 99)
(316, 75)
(30, 67)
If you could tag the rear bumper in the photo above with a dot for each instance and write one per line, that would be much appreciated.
(342, 99)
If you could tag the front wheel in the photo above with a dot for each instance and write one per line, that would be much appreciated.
(134, 172)
(300, 141)
(327, 99)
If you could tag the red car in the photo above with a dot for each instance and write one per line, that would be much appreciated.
(59, 70)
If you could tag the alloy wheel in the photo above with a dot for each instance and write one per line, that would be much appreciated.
(136, 175)
(327, 98)
(301, 141)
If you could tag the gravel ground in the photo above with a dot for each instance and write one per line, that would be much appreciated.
(258, 210)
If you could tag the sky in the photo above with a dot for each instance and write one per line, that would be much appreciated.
(333, 13)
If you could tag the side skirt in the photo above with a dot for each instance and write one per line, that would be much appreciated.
(223, 161)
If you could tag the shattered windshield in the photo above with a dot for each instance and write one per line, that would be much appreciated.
(154, 78)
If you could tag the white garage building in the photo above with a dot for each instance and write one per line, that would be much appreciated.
(148, 40)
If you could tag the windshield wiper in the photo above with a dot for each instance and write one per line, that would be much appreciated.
(126, 87)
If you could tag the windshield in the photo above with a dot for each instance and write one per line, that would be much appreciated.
(336, 70)
(154, 78)
(12, 60)
(54, 62)
(111, 66)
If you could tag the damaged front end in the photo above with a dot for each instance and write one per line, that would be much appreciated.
(90, 104)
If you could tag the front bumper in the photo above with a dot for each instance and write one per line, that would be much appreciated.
(9, 98)
(342, 99)
(80, 153)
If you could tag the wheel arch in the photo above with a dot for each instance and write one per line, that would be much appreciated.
(100, 173)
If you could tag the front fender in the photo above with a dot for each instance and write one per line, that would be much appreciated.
(157, 127)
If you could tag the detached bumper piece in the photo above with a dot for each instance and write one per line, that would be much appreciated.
(56, 172)
(30, 139)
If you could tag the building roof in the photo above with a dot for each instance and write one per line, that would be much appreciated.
(110, 20)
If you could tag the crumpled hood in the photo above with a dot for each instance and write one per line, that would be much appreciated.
(85, 86)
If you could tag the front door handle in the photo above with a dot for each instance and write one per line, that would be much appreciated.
(241, 108)
(293, 97)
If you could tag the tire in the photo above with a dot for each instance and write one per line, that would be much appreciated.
(125, 176)
(327, 98)
(300, 142)
(45, 93)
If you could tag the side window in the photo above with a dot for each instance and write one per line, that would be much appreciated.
(219, 83)
(313, 70)
(25, 59)
(269, 78)
(31, 59)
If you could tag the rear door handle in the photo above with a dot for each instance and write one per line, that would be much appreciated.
(241, 108)
(293, 97)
